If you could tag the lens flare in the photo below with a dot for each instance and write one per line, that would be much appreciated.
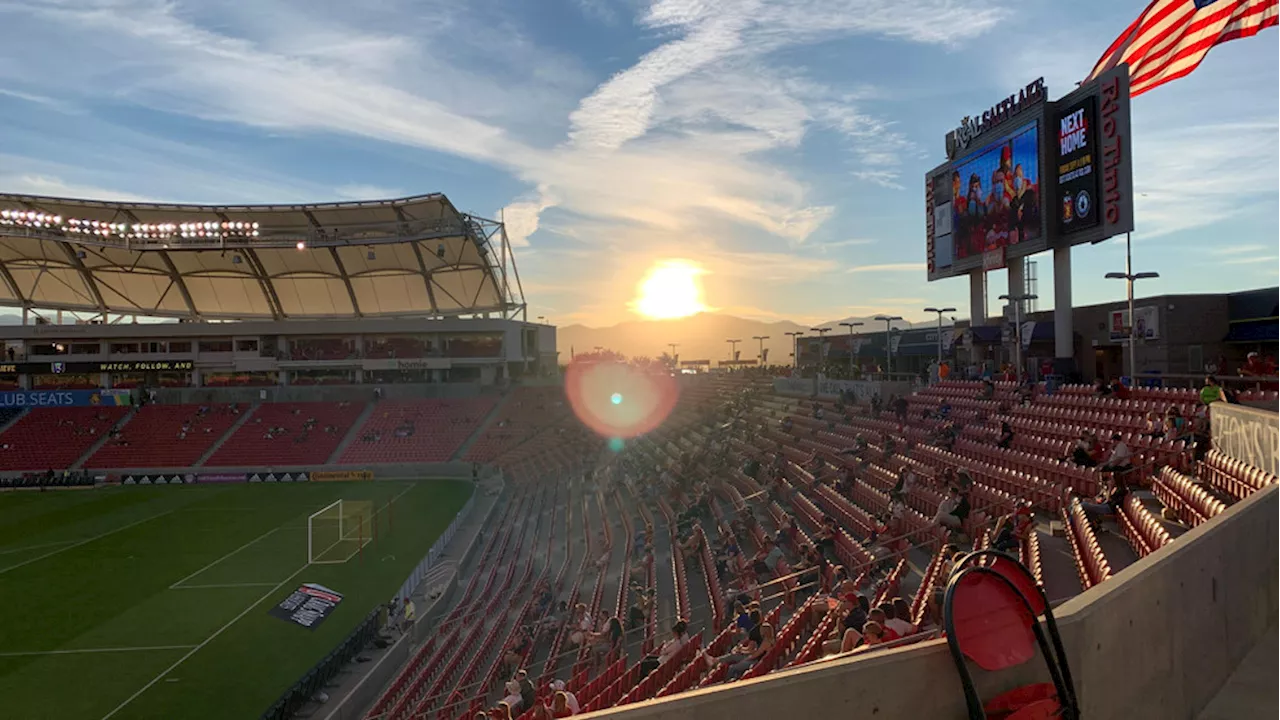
(597, 390)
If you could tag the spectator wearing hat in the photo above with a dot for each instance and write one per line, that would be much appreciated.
(571, 700)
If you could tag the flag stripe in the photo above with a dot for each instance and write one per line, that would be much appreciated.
(1172, 37)
(1191, 60)
(1202, 28)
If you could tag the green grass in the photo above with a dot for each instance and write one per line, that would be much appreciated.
(93, 569)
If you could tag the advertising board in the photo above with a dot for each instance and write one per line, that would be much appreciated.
(1148, 327)
(64, 398)
(341, 475)
(1078, 170)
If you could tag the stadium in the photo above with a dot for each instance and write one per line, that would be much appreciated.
(314, 460)
(345, 479)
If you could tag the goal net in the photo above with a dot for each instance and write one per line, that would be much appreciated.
(337, 532)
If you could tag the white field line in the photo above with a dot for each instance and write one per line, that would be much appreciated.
(219, 631)
(86, 541)
(224, 557)
(36, 547)
(96, 650)
(206, 641)
(222, 585)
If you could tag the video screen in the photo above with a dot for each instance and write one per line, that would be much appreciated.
(997, 195)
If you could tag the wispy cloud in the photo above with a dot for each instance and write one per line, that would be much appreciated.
(1266, 260)
(1242, 250)
(888, 267)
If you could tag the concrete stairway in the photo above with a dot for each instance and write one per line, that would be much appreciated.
(481, 428)
(244, 418)
(352, 433)
(80, 461)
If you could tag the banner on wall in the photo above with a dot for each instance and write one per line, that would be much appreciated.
(1148, 323)
(341, 475)
(65, 398)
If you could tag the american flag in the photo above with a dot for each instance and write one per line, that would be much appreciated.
(1171, 37)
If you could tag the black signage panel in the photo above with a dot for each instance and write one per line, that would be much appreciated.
(1078, 169)
(307, 606)
(58, 367)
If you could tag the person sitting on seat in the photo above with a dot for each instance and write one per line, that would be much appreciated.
(1006, 436)
(1212, 392)
(1085, 451)
(1011, 530)
(953, 510)
(1108, 501)
(1120, 460)
(1101, 387)
(988, 390)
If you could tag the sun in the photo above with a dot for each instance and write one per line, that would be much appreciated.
(670, 289)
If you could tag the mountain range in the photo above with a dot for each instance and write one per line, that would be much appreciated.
(700, 337)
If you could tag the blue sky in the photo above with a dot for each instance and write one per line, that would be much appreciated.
(781, 145)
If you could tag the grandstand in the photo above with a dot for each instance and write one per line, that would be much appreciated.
(415, 356)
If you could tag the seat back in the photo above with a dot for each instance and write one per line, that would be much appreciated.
(989, 615)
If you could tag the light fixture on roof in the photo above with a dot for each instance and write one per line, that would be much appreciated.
(302, 245)
(372, 255)
(235, 260)
(81, 254)
(440, 251)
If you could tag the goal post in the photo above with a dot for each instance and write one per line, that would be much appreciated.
(337, 532)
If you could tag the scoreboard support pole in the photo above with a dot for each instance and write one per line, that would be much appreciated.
(1064, 350)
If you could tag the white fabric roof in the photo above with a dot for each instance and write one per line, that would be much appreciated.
(411, 257)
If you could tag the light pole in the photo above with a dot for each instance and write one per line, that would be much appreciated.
(822, 334)
(733, 355)
(675, 365)
(542, 319)
(940, 311)
(851, 326)
(761, 338)
(1130, 277)
(795, 348)
(888, 343)
(1017, 301)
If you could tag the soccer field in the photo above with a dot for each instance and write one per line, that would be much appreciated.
(151, 602)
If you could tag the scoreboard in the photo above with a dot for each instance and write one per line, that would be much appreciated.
(1029, 175)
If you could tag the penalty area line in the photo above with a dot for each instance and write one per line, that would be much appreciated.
(224, 557)
(195, 649)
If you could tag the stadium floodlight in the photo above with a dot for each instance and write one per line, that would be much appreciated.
(337, 532)
(302, 245)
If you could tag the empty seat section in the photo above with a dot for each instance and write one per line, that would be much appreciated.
(288, 434)
(166, 436)
(525, 418)
(54, 438)
(416, 430)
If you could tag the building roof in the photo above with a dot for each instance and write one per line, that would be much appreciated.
(414, 256)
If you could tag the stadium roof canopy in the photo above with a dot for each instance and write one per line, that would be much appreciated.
(411, 257)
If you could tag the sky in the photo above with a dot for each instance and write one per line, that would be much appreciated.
(776, 147)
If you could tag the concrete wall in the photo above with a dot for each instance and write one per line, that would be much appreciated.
(1185, 321)
(1156, 641)
(1246, 434)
